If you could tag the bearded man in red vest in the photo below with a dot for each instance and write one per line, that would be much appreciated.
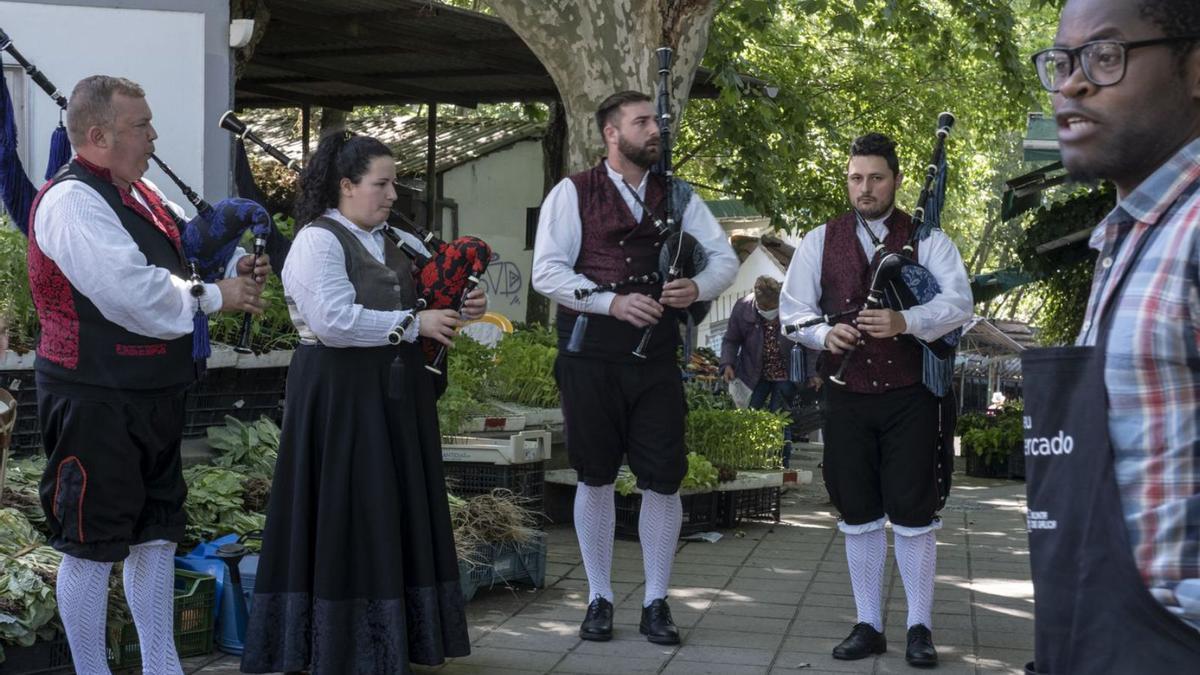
(598, 227)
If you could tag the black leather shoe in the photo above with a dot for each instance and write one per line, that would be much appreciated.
(657, 624)
(920, 651)
(597, 625)
(863, 641)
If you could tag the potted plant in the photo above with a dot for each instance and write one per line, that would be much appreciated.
(988, 442)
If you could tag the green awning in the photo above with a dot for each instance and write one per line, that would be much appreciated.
(1025, 192)
(1041, 139)
(984, 287)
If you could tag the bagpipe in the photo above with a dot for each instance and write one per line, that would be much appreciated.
(444, 272)
(208, 240)
(681, 255)
(899, 282)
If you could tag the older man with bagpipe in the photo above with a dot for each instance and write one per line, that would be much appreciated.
(120, 306)
(884, 295)
(601, 236)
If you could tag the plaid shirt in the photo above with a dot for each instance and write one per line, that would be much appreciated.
(1152, 372)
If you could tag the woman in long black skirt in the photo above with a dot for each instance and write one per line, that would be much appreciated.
(358, 572)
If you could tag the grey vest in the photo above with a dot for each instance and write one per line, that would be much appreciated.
(378, 286)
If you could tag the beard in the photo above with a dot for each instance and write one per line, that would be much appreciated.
(877, 209)
(644, 156)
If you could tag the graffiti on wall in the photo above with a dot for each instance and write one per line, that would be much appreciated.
(503, 281)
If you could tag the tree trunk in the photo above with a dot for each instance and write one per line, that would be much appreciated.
(537, 306)
(249, 9)
(331, 119)
(594, 48)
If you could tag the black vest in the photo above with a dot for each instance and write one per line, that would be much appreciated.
(385, 287)
(76, 343)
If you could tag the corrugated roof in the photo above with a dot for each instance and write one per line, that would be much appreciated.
(459, 140)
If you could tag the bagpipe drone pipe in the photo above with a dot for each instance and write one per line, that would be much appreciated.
(208, 240)
(444, 272)
(681, 256)
(899, 282)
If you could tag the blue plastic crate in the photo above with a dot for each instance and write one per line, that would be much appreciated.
(505, 564)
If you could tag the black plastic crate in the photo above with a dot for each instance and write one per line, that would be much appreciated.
(761, 503)
(468, 479)
(243, 393)
(700, 512)
(27, 434)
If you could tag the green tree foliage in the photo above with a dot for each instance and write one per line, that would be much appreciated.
(843, 67)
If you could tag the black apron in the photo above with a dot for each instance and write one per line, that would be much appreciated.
(1092, 611)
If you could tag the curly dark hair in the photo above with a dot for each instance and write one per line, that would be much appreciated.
(877, 145)
(613, 103)
(339, 155)
(1176, 18)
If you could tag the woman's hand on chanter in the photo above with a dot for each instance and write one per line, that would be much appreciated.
(440, 325)
(475, 304)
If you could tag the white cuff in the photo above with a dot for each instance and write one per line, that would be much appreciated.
(902, 531)
(861, 528)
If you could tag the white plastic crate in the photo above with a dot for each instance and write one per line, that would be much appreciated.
(503, 422)
(520, 448)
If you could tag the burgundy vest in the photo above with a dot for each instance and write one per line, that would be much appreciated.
(877, 365)
(615, 247)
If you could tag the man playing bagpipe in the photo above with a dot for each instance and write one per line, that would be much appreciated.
(882, 426)
(115, 354)
(598, 227)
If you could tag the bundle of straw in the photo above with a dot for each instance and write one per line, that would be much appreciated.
(492, 519)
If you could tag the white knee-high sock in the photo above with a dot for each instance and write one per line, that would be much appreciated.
(866, 555)
(917, 559)
(595, 525)
(82, 591)
(658, 527)
(150, 590)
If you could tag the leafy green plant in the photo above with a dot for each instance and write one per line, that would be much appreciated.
(701, 396)
(251, 448)
(16, 302)
(524, 371)
(700, 474)
(739, 439)
(216, 504)
(1065, 273)
(997, 436)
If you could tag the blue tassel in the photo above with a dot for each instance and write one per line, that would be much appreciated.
(60, 151)
(577, 332)
(15, 187)
(201, 349)
(796, 366)
(937, 374)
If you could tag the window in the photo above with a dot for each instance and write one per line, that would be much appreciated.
(531, 223)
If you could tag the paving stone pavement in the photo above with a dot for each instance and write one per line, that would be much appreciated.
(766, 598)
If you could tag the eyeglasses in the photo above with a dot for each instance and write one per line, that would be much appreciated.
(1103, 61)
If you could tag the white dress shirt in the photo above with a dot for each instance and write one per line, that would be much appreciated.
(800, 297)
(560, 235)
(315, 279)
(78, 230)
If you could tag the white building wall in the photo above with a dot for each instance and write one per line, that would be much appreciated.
(493, 193)
(711, 331)
(168, 51)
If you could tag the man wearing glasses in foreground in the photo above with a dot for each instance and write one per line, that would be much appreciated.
(1112, 432)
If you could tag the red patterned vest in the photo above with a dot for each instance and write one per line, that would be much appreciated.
(615, 247)
(877, 365)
